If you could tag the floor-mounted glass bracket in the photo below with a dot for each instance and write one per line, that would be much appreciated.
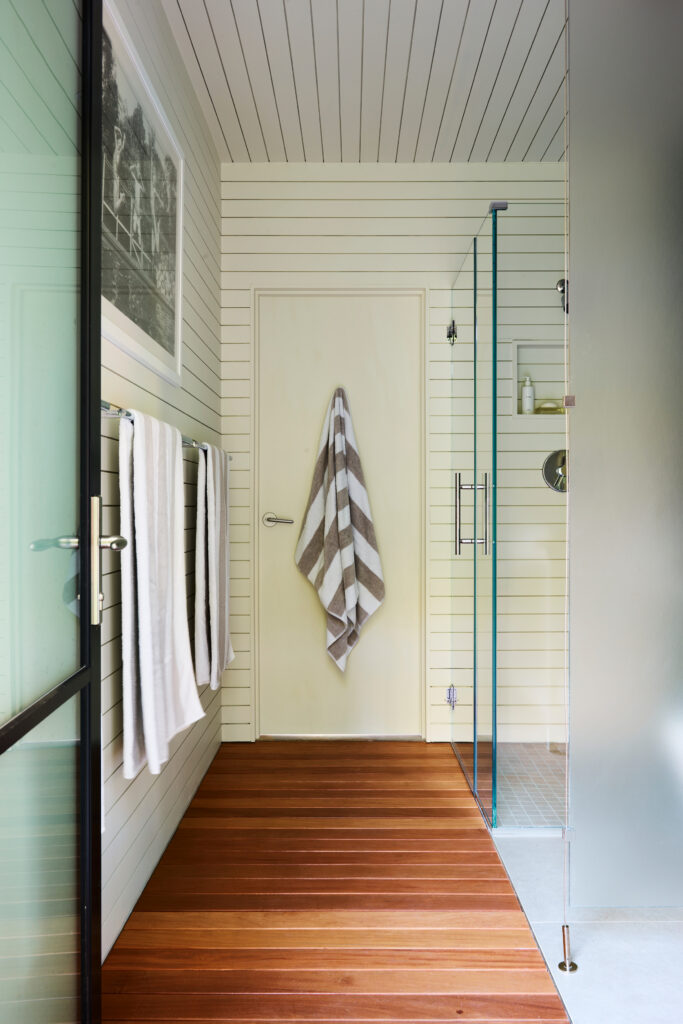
(567, 964)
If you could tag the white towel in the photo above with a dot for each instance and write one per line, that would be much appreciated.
(337, 548)
(159, 690)
(212, 646)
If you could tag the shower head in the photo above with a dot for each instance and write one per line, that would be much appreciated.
(563, 288)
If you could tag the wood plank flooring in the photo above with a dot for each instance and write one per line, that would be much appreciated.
(329, 882)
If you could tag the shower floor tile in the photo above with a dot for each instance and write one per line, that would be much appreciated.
(531, 785)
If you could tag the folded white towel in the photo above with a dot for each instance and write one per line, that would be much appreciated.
(212, 646)
(159, 690)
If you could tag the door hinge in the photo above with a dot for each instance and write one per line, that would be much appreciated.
(451, 696)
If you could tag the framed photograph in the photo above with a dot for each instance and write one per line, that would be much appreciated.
(142, 211)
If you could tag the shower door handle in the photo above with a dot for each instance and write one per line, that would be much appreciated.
(487, 515)
(458, 514)
(459, 539)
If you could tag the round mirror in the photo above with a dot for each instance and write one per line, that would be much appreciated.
(555, 470)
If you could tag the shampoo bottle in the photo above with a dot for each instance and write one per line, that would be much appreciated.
(528, 404)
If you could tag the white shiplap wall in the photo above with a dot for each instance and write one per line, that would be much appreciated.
(141, 815)
(344, 225)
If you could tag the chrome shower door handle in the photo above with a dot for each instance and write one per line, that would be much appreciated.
(270, 519)
(458, 514)
(487, 515)
(459, 539)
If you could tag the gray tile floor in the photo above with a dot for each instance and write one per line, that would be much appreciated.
(531, 785)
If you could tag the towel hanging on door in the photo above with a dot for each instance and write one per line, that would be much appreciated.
(337, 548)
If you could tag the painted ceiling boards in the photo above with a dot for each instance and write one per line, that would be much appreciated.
(407, 81)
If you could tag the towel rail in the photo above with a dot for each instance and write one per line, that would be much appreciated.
(117, 412)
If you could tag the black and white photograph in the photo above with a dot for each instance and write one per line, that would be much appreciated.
(141, 211)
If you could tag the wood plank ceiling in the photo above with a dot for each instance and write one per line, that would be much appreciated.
(377, 80)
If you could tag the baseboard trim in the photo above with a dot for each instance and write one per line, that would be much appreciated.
(302, 737)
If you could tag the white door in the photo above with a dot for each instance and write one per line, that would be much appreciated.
(372, 345)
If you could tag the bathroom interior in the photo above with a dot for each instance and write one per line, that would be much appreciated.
(373, 196)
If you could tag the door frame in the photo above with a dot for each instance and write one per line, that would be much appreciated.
(86, 681)
(422, 295)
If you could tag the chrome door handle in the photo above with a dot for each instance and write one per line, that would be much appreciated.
(66, 543)
(97, 544)
(270, 519)
(459, 539)
(487, 514)
(113, 543)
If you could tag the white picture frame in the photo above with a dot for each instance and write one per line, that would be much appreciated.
(142, 211)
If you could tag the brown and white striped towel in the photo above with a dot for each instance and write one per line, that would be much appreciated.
(337, 549)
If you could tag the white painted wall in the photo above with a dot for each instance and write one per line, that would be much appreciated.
(369, 226)
(141, 815)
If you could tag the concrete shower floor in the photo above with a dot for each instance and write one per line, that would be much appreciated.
(629, 961)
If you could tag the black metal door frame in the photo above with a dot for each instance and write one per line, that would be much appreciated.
(86, 681)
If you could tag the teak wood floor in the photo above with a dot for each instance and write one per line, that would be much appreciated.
(329, 881)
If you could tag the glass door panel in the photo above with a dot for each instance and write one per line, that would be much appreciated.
(39, 350)
(39, 867)
(49, 398)
(459, 423)
(484, 496)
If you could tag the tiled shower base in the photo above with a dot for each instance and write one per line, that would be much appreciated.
(531, 785)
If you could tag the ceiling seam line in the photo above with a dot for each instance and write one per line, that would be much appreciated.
(533, 95)
(341, 140)
(362, 62)
(384, 79)
(521, 72)
(296, 91)
(251, 88)
(206, 86)
(474, 77)
(272, 82)
(450, 84)
(317, 87)
(554, 136)
(495, 81)
(225, 76)
(429, 79)
(405, 84)
(540, 124)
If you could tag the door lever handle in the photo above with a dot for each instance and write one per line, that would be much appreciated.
(113, 543)
(66, 543)
(97, 544)
(270, 519)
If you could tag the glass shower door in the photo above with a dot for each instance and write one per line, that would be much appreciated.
(460, 411)
(484, 496)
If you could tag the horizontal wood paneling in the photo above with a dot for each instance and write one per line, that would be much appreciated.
(142, 814)
(373, 225)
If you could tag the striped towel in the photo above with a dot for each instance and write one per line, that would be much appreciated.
(337, 549)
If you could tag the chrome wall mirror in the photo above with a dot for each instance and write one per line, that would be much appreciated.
(555, 470)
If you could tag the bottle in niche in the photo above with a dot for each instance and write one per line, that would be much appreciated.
(528, 397)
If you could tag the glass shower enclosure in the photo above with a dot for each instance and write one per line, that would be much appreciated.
(508, 728)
